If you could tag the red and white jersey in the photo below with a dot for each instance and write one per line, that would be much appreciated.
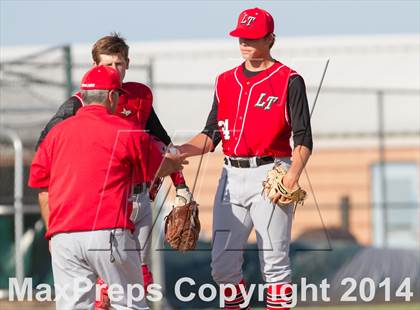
(134, 106)
(252, 113)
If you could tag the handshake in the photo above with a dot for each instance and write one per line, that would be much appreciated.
(172, 161)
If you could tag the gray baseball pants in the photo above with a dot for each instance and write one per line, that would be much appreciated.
(239, 207)
(143, 221)
(79, 258)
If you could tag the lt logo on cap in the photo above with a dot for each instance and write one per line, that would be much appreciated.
(247, 20)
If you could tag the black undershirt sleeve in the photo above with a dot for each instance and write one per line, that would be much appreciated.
(154, 127)
(211, 129)
(298, 109)
(67, 109)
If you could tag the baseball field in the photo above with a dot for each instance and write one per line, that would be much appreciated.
(368, 307)
(50, 306)
(205, 154)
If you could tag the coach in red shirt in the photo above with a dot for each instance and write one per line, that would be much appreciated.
(83, 166)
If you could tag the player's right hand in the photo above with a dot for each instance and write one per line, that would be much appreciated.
(171, 163)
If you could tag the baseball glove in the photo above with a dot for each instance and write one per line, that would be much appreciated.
(273, 186)
(182, 225)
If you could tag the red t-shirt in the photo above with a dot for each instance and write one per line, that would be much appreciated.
(85, 162)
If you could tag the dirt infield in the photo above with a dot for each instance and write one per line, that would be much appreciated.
(26, 305)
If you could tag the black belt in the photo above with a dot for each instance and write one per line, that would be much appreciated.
(249, 162)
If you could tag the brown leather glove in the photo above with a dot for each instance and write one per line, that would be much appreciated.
(182, 225)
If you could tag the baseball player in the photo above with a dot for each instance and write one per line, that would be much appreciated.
(135, 106)
(258, 106)
(82, 168)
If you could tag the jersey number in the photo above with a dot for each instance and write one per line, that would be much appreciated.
(224, 127)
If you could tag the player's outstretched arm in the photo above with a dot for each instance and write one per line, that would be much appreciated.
(198, 145)
(67, 109)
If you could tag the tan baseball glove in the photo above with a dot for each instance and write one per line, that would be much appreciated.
(182, 225)
(277, 192)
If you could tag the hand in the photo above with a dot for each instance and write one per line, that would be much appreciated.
(172, 163)
(179, 159)
(290, 181)
(280, 184)
(280, 199)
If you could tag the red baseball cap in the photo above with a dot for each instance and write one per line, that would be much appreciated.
(253, 23)
(102, 77)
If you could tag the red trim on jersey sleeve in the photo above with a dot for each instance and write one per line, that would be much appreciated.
(215, 89)
(78, 95)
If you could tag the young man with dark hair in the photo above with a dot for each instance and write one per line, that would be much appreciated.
(257, 107)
